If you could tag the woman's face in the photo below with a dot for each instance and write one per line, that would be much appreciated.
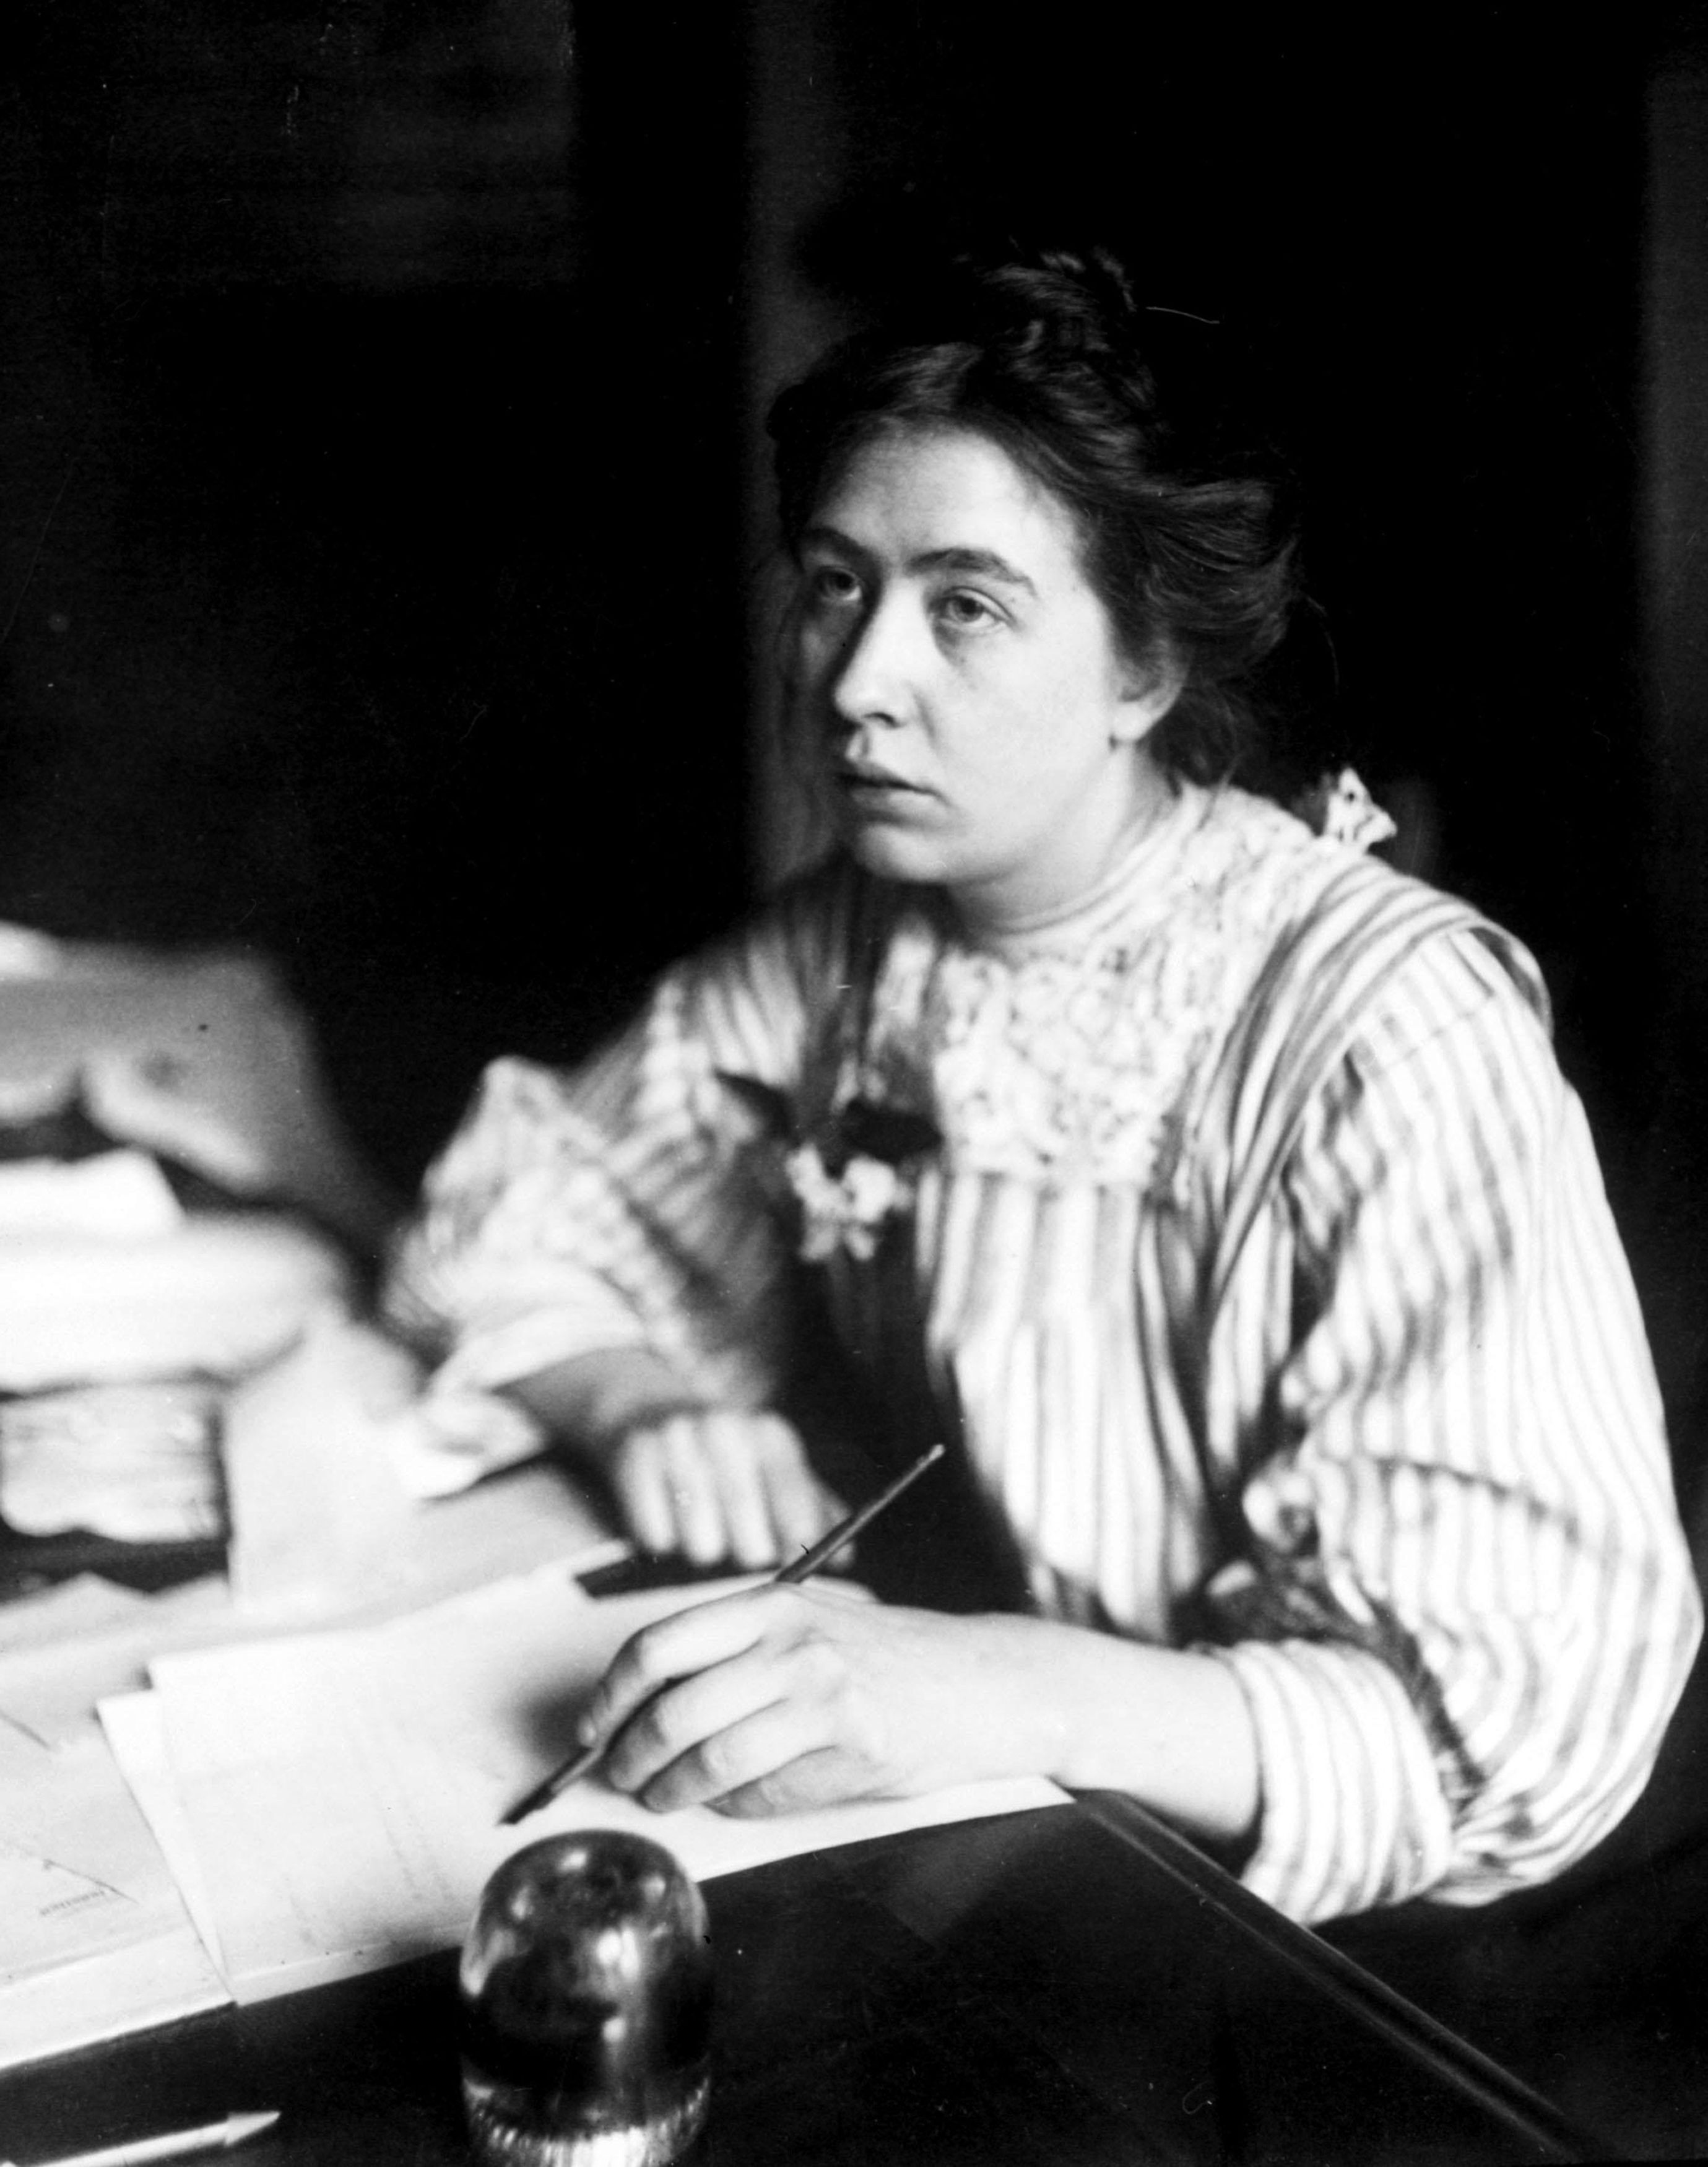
(978, 726)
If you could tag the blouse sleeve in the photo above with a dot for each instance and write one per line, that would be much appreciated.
(1467, 1610)
(619, 1204)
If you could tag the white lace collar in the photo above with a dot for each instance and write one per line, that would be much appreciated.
(1070, 1054)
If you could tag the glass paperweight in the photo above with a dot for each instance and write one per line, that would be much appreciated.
(585, 2007)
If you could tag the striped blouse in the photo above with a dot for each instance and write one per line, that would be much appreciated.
(1250, 1229)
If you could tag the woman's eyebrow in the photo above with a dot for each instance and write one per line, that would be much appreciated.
(984, 562)
(956, 557)
(829, 537)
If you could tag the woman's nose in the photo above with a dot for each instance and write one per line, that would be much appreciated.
(870, 681)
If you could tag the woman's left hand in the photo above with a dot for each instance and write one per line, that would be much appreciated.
(785, 1698)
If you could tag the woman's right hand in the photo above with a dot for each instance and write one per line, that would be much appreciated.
(719, 1482)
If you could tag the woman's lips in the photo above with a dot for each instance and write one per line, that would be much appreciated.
(874, 782)
(878, 799)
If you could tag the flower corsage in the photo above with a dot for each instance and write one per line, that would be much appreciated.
(851, 1173)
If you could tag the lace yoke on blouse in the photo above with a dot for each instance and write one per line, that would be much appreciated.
(1085, 1052)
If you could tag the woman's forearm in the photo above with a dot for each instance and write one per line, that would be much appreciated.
(592, 1401)
(775, 1699)
(1100, 1713)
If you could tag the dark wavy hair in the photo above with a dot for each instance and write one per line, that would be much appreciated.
(1186, 526)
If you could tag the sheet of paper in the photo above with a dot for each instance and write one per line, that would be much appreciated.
(137, 1739)
(48, 1688)
(343, 1790)
(94, 1938)
(154, 1982)
(321, 1521)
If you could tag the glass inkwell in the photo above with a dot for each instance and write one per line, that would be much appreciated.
(586, 2002)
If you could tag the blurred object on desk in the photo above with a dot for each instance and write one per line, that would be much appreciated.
(124, 1318)
(219, 1297)
(177, 1200)
(118, 1196)
(116, 1266)
(136, 1463)
(203, 1059)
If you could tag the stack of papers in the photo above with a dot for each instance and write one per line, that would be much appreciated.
(321, 1751)
(330, 1802)
(97, 1939)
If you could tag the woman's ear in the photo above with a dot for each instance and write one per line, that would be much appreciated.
(1148, 693)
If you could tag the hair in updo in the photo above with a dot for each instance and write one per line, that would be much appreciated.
(1184, 533)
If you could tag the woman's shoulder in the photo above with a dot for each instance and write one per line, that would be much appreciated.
(824, 901)
(794, 932)
(1319, 911)
(772, 993)
(1274, 860)
(1348, 958)
(1223, 862)
(1232, 892)
(1268, 951)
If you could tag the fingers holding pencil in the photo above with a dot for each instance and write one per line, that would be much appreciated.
(766, 1702)
(684, 1680)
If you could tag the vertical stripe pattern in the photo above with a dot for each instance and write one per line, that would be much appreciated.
(1290, 1318)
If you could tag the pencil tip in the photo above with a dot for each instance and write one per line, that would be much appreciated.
(238, 2127)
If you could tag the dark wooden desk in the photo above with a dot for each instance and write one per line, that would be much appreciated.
(1044, 1989)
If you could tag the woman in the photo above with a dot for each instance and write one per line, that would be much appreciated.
(1217, 1182)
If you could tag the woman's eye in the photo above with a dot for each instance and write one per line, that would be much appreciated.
(962, 611)
(833, 583)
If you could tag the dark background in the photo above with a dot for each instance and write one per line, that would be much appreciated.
(373, 510)
(379, 386)
(382, 511)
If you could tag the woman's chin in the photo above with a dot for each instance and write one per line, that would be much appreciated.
(894, 852)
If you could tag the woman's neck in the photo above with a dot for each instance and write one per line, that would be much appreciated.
(1011, 911)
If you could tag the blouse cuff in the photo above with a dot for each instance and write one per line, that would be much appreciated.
(461, 1429)
(489, 1357)
(1352, 1809)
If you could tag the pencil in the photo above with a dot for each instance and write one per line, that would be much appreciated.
(176, 2144)
(788, 1576)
